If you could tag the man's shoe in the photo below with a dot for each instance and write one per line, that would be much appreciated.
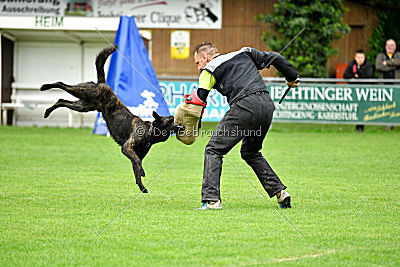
(211, 205)
(284, 200)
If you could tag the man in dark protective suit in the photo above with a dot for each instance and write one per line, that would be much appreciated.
(235, 75)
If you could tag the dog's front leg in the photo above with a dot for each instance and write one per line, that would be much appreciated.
(129, 152)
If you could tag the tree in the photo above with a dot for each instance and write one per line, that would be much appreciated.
(310, 51)
(388, 27)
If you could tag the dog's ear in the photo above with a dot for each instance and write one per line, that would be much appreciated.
(156, 116)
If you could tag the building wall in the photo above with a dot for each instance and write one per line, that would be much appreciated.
(240, 29)
(6, 61)
(362, 19)
(38, 59)
(47, 62)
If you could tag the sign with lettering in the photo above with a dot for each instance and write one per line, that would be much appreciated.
(338, 103)
(316, 103)
(33, 7)
(187, 14)
(104, 14)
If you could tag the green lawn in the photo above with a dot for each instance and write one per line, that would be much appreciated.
(61, 187)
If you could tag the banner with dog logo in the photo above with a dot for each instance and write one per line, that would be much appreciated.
(132, 77)
(178, 14)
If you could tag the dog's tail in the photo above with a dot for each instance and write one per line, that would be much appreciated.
(101, 60)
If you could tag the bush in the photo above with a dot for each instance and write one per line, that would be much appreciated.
(310, 51)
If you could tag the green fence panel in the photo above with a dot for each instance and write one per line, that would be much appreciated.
(337, 103)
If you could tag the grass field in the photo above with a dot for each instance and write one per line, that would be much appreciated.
(61, 187)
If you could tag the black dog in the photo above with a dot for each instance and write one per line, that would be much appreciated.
(134, 135)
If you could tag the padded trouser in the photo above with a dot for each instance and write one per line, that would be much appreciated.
(249, 120)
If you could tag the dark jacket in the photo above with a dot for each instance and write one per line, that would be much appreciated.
(392, 68)
(364, 71)
(237, 75)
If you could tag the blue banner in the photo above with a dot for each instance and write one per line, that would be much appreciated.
(132, 77)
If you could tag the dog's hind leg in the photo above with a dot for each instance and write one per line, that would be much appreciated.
(79, 105)
(86, 90)
(129, 152)
(59, 85)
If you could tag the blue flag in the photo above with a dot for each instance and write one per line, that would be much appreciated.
(132, 77)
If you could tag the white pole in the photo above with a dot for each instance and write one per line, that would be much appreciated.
(82, 78)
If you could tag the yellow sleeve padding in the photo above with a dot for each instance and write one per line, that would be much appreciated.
(206, 80)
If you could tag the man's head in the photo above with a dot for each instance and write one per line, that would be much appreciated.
(359, 57)
(204, 53)
(390, 46)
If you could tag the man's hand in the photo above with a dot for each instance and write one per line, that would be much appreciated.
(194, 99)
(293, 84)
(290, 85)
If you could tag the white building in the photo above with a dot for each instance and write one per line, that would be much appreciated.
(47, 41)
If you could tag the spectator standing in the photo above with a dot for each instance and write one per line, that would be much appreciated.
(388, 64)
(359, 68)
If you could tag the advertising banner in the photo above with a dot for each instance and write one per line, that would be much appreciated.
(53, 8)
(313, 103)
(197, 14)
(104, 14)
(338, 103)
(217, 104)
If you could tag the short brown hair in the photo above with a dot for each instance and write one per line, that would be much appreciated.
(205, 47)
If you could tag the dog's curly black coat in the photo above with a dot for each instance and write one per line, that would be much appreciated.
(134, 135)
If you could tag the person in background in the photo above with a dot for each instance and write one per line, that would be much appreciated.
(359, 68)
(388, 64)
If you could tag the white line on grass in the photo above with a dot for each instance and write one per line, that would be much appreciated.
(130, 202)
(283, 216)
(304, 256)
(294, 258)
